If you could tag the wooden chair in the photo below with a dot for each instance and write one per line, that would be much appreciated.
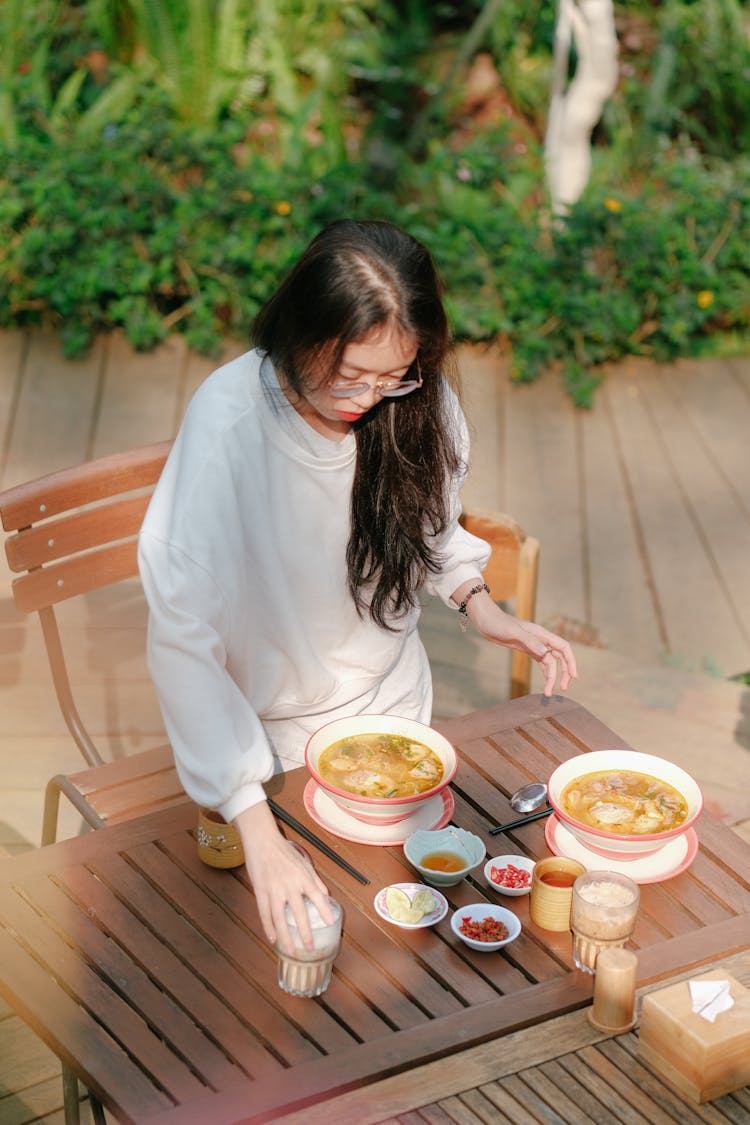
(75, 531)
(511, 574)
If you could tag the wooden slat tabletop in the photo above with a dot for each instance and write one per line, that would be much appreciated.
(148, 974)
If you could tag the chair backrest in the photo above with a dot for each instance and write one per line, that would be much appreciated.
(511, 574)
(75, 531)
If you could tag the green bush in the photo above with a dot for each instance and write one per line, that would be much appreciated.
(125, 203)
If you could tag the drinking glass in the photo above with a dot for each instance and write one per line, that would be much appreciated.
(602, 915)
(307, 972)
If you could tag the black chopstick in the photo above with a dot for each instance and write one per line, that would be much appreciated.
(523, 820)
(311, 838)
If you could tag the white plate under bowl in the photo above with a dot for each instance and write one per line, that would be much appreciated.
(672, 859)
(440, 911)
(433, 813)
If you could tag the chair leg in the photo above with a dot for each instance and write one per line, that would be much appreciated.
(97, 1111)
(51, 812)
(71, 1105)
(520, 674)
(56, 786)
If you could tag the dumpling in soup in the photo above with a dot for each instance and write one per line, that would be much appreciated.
(624, 802)
(381, 765)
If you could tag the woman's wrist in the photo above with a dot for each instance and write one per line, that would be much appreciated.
(257, 824)
(474, 601)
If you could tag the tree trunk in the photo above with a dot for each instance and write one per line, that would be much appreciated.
(575, 111)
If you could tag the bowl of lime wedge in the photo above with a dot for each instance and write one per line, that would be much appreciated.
(411, 906)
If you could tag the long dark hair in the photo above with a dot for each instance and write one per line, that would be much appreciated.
(355, 277)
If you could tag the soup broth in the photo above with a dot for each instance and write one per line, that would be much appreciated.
(624, 802)
(381, 765)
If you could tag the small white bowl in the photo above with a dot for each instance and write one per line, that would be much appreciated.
(379, 811)
(520, 861)
(613, 845)
(479, 911)
(425, 842)
(440, 911)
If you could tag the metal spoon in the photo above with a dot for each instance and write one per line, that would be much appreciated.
(525, 799)
(529, 797)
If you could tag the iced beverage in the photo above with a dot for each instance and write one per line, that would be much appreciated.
(307, 972)
(603, 914)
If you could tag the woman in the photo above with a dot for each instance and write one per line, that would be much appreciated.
(311, 494)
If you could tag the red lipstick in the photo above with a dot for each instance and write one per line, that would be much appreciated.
(347, 416)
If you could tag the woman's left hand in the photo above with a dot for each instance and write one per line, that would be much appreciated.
(552, 653)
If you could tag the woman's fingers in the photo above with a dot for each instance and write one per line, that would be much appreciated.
(555, 657)
(287, 882)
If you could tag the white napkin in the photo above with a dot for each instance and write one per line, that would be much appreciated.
(710, 997)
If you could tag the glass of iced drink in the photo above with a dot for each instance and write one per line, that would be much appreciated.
(307, 972)
(602, 914)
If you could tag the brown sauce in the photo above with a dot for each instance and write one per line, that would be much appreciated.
(443, 861)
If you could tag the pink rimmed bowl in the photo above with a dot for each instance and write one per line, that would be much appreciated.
(621, 846)
(380, 811)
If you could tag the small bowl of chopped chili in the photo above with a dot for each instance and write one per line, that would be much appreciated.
(509, 874)
(484, 926)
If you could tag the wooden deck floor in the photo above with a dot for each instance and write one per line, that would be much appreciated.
(642, 504)
(642, 507)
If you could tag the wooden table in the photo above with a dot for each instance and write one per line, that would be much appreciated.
(146, 971)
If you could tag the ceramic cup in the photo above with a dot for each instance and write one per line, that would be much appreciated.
(307, 972)
(552, 892)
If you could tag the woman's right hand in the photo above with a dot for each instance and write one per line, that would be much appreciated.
(281, 874)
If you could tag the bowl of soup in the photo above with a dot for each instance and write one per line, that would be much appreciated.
(623, 804)
(379, 768)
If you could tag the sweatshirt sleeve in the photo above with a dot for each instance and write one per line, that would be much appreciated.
(464, 555)
(221, 750)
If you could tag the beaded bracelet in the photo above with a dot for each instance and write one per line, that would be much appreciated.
(474, 590)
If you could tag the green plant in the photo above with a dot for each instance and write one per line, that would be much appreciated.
(46, 85)
(699, 76)
(196, 51)
(121, 205)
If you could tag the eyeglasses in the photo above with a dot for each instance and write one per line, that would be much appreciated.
(386, 388)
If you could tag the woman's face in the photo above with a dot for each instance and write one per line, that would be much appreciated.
(387, 353)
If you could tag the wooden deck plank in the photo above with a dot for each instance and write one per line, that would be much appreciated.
(623, 1071)
(13, 348)
(508, 1109)
(56, 414)
(558, 1081)
(542, 452)
(484, 390)
(708, 632)
(739, 369)
(471, 1108)
(140, 395)
(715, 398)
(615, 573)
(711, 491)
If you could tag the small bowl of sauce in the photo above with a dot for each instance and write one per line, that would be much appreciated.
(444, 856)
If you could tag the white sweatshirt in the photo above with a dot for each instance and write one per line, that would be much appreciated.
(254, 641)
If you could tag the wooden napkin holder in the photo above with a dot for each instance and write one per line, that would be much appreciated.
(703, 1060)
